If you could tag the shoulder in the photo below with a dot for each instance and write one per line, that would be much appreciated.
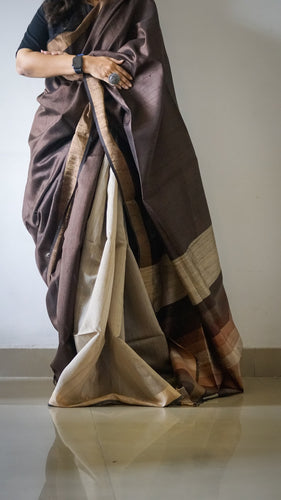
(37, 34)
(41, 13)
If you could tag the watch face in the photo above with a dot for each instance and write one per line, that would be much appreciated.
(77, 64)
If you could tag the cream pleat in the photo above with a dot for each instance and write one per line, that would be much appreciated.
(115, 329)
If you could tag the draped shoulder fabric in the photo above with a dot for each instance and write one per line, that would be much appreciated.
(116, 207)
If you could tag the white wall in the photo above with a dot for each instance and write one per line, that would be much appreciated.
(226, 60)
(24, 321)
(227, 66)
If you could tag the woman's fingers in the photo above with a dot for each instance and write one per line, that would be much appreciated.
(125, 82)
(125, 78)
(117, 61)
(123, 72)
(119, 70)
(102, 67)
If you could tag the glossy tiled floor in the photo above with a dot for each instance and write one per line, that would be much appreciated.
(225, 449)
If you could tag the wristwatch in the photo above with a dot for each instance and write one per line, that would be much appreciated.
(77, 64)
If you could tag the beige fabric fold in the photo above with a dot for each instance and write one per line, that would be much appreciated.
(112, 313)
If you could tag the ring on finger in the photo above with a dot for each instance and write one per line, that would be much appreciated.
(114, 78)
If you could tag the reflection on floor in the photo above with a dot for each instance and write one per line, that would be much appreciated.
(225, 449)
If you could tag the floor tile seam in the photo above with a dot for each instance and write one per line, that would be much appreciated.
(103, 453)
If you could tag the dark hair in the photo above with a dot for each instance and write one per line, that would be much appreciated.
(57, 10)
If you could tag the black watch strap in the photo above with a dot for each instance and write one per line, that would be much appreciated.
(77, 64)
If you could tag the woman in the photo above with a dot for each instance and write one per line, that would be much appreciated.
(115, 204)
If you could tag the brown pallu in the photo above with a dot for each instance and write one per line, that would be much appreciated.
(124, 241)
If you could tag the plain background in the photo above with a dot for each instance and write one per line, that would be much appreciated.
(226, 61)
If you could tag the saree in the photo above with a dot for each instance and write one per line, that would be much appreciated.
(124, 241)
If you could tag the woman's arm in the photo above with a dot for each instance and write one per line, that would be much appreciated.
(42, 65)
(45, 65)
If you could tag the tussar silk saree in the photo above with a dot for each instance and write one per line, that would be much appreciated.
(124, 240)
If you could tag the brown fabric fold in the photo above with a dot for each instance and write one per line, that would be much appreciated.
(169, 229)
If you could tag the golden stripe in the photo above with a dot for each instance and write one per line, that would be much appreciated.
(162, 283)
(69, 180)
(192, 274)
(199, 267)
(160, 400)
(74, 158)
(122, 171)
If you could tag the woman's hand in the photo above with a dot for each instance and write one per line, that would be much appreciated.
(47, 64)
(101, 67)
